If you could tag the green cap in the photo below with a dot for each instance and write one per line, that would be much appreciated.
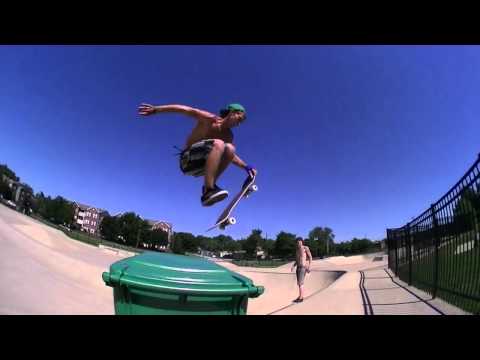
(235, 107)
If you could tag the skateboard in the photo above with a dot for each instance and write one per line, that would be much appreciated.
(225, 219)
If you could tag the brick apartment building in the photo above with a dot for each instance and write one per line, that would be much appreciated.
(164, 226)
(88, 218)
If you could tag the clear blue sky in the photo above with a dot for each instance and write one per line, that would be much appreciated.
(356, 138)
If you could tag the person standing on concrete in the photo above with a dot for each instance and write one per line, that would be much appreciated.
(302, 255)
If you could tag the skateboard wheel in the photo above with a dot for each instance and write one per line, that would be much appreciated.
(231, 221)
(254, 188)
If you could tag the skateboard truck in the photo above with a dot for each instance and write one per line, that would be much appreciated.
(252, 188)
(229, 221)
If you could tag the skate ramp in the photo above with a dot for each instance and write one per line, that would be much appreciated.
(42, 271)
(281, 286)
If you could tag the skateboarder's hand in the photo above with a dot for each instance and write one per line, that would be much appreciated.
(251, 171)
(146, 109)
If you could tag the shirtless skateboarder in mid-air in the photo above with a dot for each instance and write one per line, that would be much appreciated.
(209, 148)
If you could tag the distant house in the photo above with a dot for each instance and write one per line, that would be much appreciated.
(163, 226)
(160, 225)
(206, 253)
(157, 225)
(239, 254)
(22, 193)
(260, 252)
(89, 218)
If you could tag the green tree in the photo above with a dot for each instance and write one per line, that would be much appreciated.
(222, 242)
(5, 170)
(285, 245)
(241, 242)
(314, 246)
(253, 241)
(57, 210)
(40, 204)
(213, 245)
(234, 246)
(320, 240)
(131, 228)
(467, 211)
(177, 245)
(27, 199)
(225, 243)
(202, 242)
(60, 211)
(361, 246)
(188, 240)
(155, 238)
(28, 188)
(5, 190)
(342, 248)
(269, 246)
(110, 228)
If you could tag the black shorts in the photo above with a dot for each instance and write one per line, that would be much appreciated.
(301, 270)
(193, 159)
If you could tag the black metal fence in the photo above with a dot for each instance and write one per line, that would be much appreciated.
(439, 251)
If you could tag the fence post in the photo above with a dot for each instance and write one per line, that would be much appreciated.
(396, 254)
(409, 253)
(476, 243)
(436, 239)
(389, 249)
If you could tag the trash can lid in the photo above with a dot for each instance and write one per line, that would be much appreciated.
(172, 273)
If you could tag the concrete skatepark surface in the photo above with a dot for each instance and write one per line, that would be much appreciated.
(42, 271)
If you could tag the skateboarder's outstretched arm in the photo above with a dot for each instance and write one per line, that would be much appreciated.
(147, 109)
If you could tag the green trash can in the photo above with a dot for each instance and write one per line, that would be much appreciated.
(167, 284)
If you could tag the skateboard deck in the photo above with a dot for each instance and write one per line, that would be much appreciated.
(225, 219)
